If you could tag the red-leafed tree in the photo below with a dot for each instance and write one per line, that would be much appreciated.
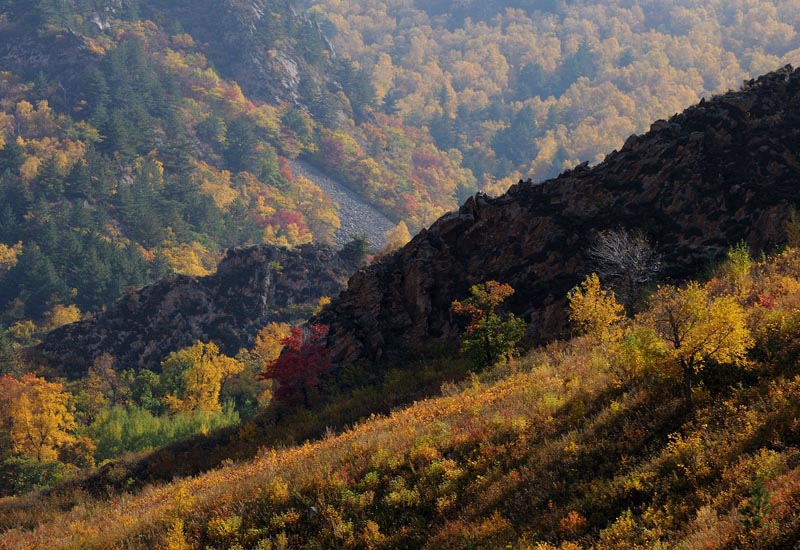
(296, 371)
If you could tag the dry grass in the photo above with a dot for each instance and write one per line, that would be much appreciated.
(547, 452)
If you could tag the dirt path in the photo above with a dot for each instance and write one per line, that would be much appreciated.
(357, 216)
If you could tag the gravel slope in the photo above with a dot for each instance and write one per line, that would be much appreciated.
(357, 216)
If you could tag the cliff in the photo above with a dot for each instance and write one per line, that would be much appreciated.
(265, 45)
(252, 287)
(722, 171)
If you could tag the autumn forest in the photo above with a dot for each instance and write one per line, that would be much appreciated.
(646, 399)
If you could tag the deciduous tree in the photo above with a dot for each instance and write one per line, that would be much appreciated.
(595, 311)
(698, 328)
(61, 315)
(8, 256)
(197, 373)
(37, 416)
(627, 260)
(489, 335)
(269, 341)
(296, 371)
(396, 237)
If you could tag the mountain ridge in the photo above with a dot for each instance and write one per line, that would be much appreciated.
(722, 171)
(252, 287)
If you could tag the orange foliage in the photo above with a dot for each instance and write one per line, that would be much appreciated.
(36, 414)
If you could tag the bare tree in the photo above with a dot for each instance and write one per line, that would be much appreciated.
(626, 260)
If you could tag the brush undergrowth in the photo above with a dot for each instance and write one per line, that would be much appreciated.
(551, 451)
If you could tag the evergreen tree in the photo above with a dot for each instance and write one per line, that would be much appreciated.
(11, 158)
(35, 280)
(516, 142)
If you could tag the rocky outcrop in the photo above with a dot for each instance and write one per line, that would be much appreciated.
(262, 44)
(64, 56)
(725, 170)
(252, 287)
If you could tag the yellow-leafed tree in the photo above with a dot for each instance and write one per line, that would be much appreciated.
(61, 315)
(36, 415)
(698, 328)
(396, 237)
(267, 346)
(9, 255)
(196, 374)
(595, 311)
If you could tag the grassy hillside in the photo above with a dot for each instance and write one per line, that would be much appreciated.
(587, 443)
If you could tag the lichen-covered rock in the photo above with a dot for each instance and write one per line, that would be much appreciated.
(725, 170)
(252, 287)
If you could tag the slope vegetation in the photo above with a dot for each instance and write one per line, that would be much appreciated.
(577, 445)
(722, 171)
(539, 86)
(145, 137)
(251, 288)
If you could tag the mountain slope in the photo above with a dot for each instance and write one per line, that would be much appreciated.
(238, 36)
(251, 288)
(537, 86)
(144, 137)
(359, 218)
(722, 171)
(549, 452)
(124, 155)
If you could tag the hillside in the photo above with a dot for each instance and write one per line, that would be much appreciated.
(723, 171)
(250, 289)
(587, 443)
(125, 156)
(174, 173)
(358, 217)
(143, 138)
(529, 88)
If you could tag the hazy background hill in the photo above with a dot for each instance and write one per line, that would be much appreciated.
(535, 87)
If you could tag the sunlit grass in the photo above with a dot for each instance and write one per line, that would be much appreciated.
(548, 451)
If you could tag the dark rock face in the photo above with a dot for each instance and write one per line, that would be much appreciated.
(64, 56)
(249, 41)
(252, 287)
(722, 171)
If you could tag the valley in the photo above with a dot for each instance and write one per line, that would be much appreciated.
(388, 275)
(357, 217)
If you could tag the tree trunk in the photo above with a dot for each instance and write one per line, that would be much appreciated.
(688, 373)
